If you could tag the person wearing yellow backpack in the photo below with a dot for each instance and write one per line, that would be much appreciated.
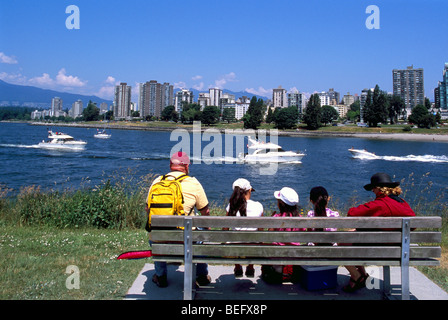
(163, 199)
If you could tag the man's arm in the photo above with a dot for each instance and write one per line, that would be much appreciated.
(205, 211)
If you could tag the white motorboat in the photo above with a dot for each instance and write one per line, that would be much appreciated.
(362, 153)
(101, 134)
(62, 141)
(267, 152)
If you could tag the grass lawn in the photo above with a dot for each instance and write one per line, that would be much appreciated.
(34, 262)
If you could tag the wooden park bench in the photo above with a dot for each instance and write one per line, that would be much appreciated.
(413, 241)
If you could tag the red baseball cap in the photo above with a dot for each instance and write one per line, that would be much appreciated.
(180, 157)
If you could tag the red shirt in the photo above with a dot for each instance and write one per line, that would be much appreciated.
(382, 206)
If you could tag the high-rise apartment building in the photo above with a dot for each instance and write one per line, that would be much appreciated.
(154, 97)
(348, 99)
(441, 93)
(215, 96)
(297, 99)
(56, 107)
(408, 84)
(122, 101)
(183, 96)
(279, 98)
(77, 108)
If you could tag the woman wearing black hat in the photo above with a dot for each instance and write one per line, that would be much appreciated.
(386, 204)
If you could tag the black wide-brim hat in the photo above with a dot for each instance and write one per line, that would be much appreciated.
(381, 179)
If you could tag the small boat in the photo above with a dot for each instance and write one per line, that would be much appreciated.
(267, 152)
(362, 153)
(62, 141)
(101, 134)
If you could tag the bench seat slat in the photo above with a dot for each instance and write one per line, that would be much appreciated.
(222, 250)
(315, 262)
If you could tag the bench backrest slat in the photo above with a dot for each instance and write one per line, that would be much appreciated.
(296, 222)
(298, 236)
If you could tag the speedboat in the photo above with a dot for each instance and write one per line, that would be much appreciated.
(62, 141)
(362, 153)
(267, 152)
(101, 134)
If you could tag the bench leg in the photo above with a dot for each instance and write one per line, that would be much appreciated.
(405, 253)
(188, 259)
(386, 281)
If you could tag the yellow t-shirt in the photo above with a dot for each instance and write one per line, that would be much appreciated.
(194, 194)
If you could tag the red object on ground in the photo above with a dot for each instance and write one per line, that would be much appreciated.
(135, 255)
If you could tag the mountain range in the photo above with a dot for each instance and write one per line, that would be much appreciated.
(29, 96)
(17, 95)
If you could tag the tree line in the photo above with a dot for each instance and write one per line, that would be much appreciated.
(379, 108)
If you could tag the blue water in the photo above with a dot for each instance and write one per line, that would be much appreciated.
(327, 163)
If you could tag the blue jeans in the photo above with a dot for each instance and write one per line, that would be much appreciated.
(161, 269)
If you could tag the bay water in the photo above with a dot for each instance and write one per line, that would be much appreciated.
(420, 165)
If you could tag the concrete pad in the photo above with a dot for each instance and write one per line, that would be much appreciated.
(225, 286)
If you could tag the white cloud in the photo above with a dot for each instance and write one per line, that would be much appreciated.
(110, 80)
(260, 91)
(68, 81)
(6, 59)
(198, 77)
(13, 78)
(45, 80)
(221, 82)
(199, 86)
(180, 85)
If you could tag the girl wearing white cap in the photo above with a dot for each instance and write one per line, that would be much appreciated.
(240, 205)
(288, 204)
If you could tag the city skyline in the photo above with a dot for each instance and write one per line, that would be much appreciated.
(253, 46)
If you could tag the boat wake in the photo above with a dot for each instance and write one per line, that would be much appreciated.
(416, 158)
(33, 146)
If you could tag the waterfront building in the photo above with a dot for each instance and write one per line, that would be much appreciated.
(77, 109)
(324, 98)
(103, 107)
(297, 99)
(56, 107)
(215, 96)
(279, 98)
(182, 97)
(241, 107)
(348, 99)
(334, 97)
(122, 101)
(154, 97)
(204, 99)
(441, 92)
(409, 85)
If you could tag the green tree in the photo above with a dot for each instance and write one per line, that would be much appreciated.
(270, 116)
(286, 118)
(191, 112)
(91, 113)
(228, 114)
(396, 108)
(210, 115)
(169, 113)
(376, 107)
(329, 114)
(422, 117)
(312, 116)
(254, 115)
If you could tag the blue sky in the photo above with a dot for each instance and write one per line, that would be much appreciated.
(253, 45)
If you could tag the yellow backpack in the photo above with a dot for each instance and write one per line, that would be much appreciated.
(166, 198)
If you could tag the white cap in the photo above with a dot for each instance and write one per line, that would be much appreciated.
(243, 184)
(288, 196)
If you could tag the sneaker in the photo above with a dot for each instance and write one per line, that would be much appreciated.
(238, 271)
(160, 281)
(250, 272)
(203, 280)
